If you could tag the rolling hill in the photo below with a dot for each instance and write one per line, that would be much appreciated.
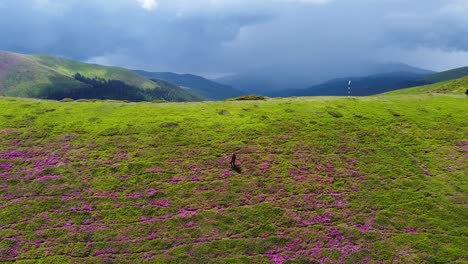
(447, 75)
(44, 76)
(361, 86)
(457, 86)
(207, 88)
(319, 180)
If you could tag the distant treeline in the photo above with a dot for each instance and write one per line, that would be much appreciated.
(100, 88)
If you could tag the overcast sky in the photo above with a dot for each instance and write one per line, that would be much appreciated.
(214, 37)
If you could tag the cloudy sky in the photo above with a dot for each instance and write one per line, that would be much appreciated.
(214, 37)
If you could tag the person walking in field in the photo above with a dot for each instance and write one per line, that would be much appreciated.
(233, 160)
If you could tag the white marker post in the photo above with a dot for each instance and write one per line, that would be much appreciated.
(349, 88)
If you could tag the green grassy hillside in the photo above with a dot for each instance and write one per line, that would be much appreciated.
(43, 76)
(457, 86)
(22, 75)
(69, 68)
(447, 75)
(320, 180)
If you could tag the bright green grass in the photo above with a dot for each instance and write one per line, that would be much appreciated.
(352, 180)
(457, 86)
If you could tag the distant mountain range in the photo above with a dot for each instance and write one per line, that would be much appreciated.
(207, 88)
(49, 77)
(360, 86)
(374, 84)
(381, 83)
(270, 80)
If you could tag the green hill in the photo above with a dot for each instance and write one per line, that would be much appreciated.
(44, 76)
(447, 75)
(319, 180)
(69, 68)
(457, 86)
(198, 84)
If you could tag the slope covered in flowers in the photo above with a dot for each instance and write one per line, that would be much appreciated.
(369, 180)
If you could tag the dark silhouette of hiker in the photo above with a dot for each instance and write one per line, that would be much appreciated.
(466, 92)
(233, 160)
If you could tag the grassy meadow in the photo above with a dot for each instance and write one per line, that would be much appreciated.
(320, 180)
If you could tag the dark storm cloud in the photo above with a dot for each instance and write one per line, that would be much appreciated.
(231, 36)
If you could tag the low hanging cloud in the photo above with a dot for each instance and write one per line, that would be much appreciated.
(228, 36)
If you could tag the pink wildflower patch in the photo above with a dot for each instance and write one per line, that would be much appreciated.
(87, 208)
(154, 170)
(276, 258)
(227, 173)
(163, 203)
(152, 236)
(136, 195)
(195, 178)
(145, 219)
(184, 213)
(152, 192)
(109, 195)
(148, 256)
(190, 224)
(175, 179)
(6, 166)
(65, 198)
(264, 166)
(365, 227)
(5, 131)
(47, 177)
(104, 252)
(411, 231)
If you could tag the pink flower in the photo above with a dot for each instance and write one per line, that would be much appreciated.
(264, 166)
(154, 170)
(175, 179)
(195, 178)
(226, 173)
(134, 195)
(277, 259)
(65, 198)
(152, 236)
(365, 227)
(190, 224)
(163, 203)
(47, 177)
(4, 131)
(410, 230)
(152, 192)
(187, 213)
